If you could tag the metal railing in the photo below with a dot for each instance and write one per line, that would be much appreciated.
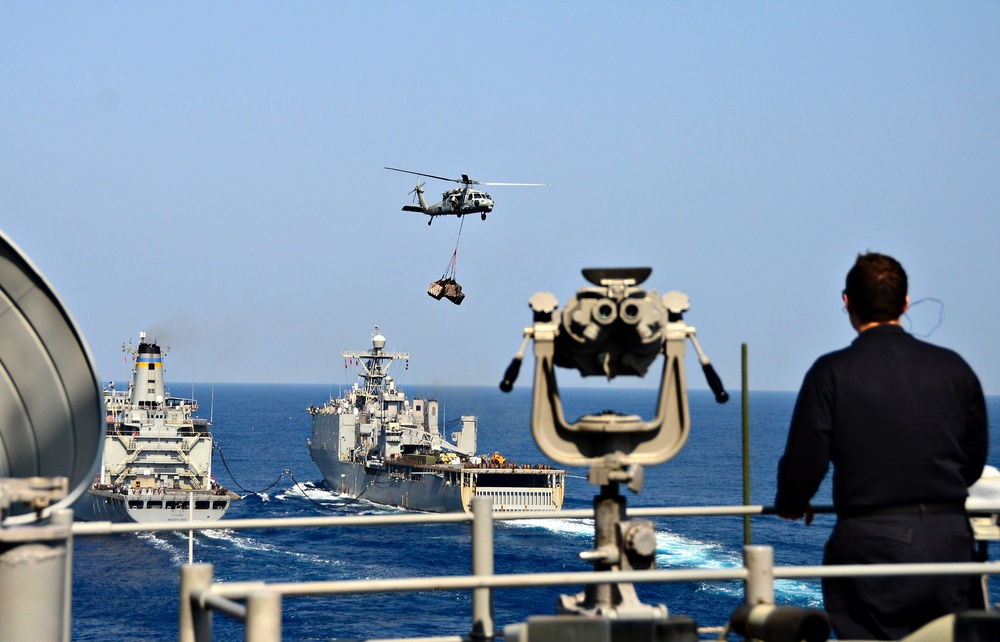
(259, 604)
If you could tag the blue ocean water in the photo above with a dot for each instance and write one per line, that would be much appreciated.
(125, 587)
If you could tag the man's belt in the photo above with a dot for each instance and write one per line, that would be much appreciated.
(908, 509)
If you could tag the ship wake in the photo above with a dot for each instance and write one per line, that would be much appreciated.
(677, 551)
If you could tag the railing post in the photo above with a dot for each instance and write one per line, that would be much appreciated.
(759, 562)
(195, 620)
(482, 565)
(33, 575)
(64, 516)
(263, 622)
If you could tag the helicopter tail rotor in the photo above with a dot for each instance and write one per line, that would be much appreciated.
(416, 191)
(418, 197)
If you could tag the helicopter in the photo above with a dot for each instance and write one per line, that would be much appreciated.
(459, 201)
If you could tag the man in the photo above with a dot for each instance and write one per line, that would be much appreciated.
(904, 424)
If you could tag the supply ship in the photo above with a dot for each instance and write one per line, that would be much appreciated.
(375, 444)
(157, 462)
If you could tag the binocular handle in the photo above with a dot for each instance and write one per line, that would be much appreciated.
(715, 383)
(510, 375)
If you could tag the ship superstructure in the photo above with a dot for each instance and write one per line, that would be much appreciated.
(376, 444)
(157, 463)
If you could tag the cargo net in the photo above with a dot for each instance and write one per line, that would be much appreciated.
(447, 287)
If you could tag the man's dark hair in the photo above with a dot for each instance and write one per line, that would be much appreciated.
(876, 288)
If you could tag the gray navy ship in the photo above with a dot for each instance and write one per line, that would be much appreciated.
(157, 462)
(375, 444)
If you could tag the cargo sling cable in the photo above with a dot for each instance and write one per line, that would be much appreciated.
(447, 286)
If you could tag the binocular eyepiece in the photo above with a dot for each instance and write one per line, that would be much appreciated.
(617, 328)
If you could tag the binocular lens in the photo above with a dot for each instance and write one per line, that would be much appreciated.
(604, 312)
(630, 311)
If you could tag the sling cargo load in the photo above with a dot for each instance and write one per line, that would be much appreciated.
(375, 444)
(447, 288)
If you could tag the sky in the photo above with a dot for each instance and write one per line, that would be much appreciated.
(213, 174)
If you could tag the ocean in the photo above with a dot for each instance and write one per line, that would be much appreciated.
(125, 587)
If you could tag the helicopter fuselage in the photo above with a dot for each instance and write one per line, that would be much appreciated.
(463, 201)
(454, 202)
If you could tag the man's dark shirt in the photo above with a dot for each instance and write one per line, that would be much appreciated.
(902, 421)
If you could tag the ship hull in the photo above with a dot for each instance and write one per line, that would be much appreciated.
(401, 487)
(437, 488)
(107, 506)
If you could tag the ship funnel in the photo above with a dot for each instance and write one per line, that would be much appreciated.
(53, 409)
(147, 375)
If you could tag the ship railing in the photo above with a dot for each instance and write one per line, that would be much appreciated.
(508, 498)
(258, 604)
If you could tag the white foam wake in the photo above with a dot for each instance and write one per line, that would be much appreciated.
(678, 551)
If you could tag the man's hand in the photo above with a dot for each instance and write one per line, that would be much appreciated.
(809, 514)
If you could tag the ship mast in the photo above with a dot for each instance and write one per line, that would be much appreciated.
(374, 365)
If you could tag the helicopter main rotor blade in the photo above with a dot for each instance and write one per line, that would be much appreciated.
(465, 180)
(440, 178)
(535, 184)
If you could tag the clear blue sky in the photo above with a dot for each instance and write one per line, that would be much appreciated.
(212, 173)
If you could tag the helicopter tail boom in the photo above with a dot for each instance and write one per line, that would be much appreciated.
(418, 196)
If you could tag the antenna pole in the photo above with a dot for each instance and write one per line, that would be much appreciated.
(746, 446)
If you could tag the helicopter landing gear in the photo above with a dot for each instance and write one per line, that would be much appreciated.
(429, 221)
(483, 216)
